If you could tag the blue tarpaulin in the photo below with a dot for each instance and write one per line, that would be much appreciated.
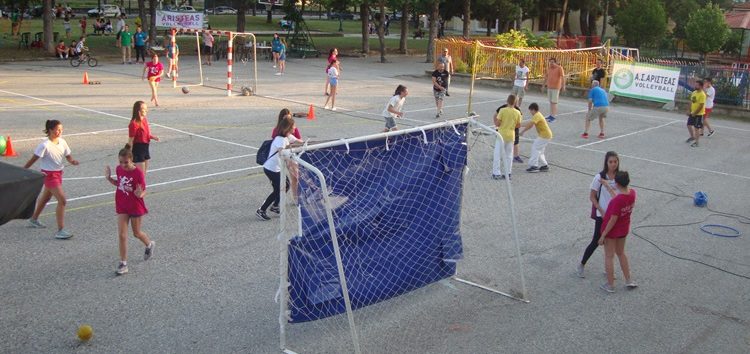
(396, 215)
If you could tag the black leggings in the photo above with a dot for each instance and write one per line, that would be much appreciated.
(140, 52)
(594, 241)
(273, 198)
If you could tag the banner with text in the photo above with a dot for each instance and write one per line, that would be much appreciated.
(644, 81)
(171, 19)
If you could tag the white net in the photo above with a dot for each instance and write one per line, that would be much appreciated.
(411, 214)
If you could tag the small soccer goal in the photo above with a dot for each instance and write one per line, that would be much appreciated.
(389, 240)
(240, 79)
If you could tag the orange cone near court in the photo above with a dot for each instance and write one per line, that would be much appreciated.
(311, 113)
(85, 78)
(9, 152)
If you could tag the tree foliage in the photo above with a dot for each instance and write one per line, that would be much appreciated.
(641, 22)
(707, 30)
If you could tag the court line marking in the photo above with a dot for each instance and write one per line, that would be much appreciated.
(162, 183)
(168, 167)
(74, 134)
(126, 118)
(624, 135)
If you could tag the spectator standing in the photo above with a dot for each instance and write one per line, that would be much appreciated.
(66, 26)
(120, 24)
(447, 60)
(82, 22)
(710, 91)
(140, 38)
(598, 74)
(521, 82)
(555, 83)
(126, 42)
(208, 46)
(696, 113)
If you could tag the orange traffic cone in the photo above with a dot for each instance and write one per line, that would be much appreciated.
(9, 152)
(85, 78)
(311, 113)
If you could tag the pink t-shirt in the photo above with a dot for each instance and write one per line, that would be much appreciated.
(125, 200)
(622, 206)
(295, 133)
(140, 133)
(154, 69)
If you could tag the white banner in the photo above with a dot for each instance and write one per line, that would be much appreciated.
(644, 81)
(172, 19)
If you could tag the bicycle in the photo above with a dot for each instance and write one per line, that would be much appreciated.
(84, 57)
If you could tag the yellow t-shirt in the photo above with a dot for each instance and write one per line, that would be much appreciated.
(696, 98)
(510, 118)
(542, 128)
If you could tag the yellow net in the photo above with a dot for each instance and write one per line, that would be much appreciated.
(500, 63)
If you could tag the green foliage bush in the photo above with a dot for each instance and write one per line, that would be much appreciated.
(460, 65)
(511, 39)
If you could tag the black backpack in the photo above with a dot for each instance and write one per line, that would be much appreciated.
(262, 155)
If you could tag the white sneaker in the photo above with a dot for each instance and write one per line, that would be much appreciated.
(274, 66)
(35, 224)
(631, 284)
(63, 235)
(606, 287)
(579, 271)
(277, 74)
(333, 108)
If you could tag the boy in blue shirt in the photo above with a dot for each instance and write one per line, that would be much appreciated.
(598, 107)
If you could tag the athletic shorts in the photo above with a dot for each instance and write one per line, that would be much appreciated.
(439, 95)
(515, 140)
(333, 81)
(553, 95)
(518, 91)
(696, 121)
(708, 112)
(140, 152)
(390, 123)
(597, 112)
(207, 49)
(52, 179)
(158, 78)
(282, 57)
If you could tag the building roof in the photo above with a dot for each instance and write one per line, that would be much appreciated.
(738, 19)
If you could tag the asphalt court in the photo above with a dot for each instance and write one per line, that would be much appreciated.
(211, 283)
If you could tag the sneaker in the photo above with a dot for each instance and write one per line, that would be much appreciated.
(694, 145)
(326, 107)
(437, 116)
(550, 119)
(601, 135)
(149, 251)
(701, 134)
(544, 168)
(277, 74)
(631, 284)
(262, 215)
(579, 271)
(585, 135)
(122, 269)
(441, 112)
(532, 169)
(689, 139)
(274, 66)
(606, 287)
(168, 76)
(35, 224)
(447, 94)
(333, 108)
(275, 209)
(518, 159)
(497, 176)
(711, 132)
(63, 235)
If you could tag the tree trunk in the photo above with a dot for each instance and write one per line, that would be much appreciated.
(364, 15)
(402, 45)
(48, 27)
(563, 18)
(152, 25)
(591, 29)
(467, 18)
(302, 8)
(604, 19)
(241, 10)
(381, 29)
(489, 28)
(142, 14)
(566, 23)
(583, 22)
(269, 12)
(434, 19)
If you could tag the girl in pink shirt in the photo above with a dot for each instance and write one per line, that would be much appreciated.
(615, 226)
(155, 70)
(129, 205)
(139, 136)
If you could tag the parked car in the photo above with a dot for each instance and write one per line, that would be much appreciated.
(187, 9)
(340, 15)
(224, 10)
(105, 11)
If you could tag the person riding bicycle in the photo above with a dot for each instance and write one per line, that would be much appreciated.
(81, 47)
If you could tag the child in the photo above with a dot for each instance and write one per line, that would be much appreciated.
(282, 57)
(507, 120)
(393, 108)
(275, 48)
(155, 70)
(615, 227)
(333, 80)
(173, 57)
(544, 135)
(61, 50)
(51, 151)
(139, 136)
(66, 25)
(272, 167)
(129, 205)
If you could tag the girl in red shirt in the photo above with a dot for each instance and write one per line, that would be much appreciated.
(332, 57)
(139, 135)
(129, 205)
(155, 70)
(616, 225)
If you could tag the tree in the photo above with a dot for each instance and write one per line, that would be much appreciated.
(467, 18)
(679, 11)
(402, 44)
(434, 19)
(707, 30)
(641, 22)
(47, 27)
(142, 14)
(152, 24)
(241, 6)
(364, 15)
(381, 29)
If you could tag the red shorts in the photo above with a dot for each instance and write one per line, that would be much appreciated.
(52, 179)
(708, 113)
(158, 79)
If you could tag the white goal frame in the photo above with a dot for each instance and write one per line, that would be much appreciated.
(230, 61)
(294, 154)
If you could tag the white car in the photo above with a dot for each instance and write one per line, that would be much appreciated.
(106, 11)
(187, 9)
(224, 10)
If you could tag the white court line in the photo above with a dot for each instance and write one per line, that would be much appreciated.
(168, 167)
(121, 117)
(624, 135)
(162, 183)
(75, 134)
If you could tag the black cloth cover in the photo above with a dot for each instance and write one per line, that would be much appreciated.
(19, 188)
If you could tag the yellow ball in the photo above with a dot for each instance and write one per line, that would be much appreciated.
(85, 332)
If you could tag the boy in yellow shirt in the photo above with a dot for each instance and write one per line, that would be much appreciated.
(544, 135)
(696, 113)
(506, 120)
